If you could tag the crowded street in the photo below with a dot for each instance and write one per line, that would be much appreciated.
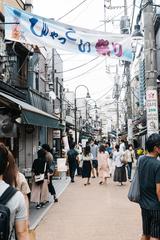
(79, 120)
(92, 212)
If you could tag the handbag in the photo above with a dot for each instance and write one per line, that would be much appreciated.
(40, 177)
(123, 159)
(134, 190)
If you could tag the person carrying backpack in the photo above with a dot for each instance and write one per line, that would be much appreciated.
(13, 212)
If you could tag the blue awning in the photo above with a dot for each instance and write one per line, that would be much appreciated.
(32, 115)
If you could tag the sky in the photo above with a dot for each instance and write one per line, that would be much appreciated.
(89, 15)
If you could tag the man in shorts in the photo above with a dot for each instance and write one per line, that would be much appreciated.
(149, 177)
(94, 151)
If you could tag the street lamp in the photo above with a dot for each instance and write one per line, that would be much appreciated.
(95, 106)
(75, 108)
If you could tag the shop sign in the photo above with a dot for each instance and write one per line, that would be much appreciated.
(56, 133)
(61, 165)
(152, 112)
(84, 141)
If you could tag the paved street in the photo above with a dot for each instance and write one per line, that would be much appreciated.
(94, 212)
(35, 215)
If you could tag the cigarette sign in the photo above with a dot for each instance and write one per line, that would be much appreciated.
(152, 112)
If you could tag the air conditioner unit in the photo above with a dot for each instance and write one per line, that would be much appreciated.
(7, 127)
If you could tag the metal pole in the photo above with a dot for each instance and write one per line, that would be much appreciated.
(129, 103)
(150, 69)
(75, 108)
(86, 110)
(75, 117)
(117, 99)
(117, 127)
(128, 78)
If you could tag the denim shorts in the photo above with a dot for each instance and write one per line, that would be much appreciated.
(151, 222)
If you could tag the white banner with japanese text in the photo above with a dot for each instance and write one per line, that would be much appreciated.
(31, 29)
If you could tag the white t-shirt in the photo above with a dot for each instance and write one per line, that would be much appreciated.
(117, 158)
(16, 205)
(122, 147)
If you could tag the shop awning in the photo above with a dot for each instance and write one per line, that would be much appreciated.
(141, 132)
(30, 114)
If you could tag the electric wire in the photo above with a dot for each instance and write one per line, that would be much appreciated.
(134, 94)
(107, 104)
(82, 11)
(71, 10)
(104, 94)
(112, 19)
(68, 70)
(68, 80)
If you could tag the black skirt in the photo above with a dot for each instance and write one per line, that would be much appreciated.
(120, 174)
(86, 169)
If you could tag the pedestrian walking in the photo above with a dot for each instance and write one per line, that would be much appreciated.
(109, 150)
(149, 178)
(122, 146)
(120, 170)
(129, 155)
(51, 163)
(40, 168)
(103, 165)
(78, 148)
(16, 204)
(87, 164)
(94, 151)
(72, 157)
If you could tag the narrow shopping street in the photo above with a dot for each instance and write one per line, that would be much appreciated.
(93, 212)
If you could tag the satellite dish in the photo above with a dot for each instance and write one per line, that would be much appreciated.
(52, 95)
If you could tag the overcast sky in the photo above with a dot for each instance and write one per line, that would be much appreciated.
(89, 15)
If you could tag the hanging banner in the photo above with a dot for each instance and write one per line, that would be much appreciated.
(27, 28)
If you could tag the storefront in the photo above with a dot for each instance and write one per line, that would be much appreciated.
(26, 128)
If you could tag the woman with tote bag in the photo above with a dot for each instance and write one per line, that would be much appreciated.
(40, 168)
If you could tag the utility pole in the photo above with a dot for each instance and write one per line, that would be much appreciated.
(117, 102)
(124, 25)
(150, 69)
(116, 94)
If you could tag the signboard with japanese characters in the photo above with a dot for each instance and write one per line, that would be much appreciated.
(61, 165)
(28, 28)
(152, 112)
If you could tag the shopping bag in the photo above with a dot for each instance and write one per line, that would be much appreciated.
(134, 190)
